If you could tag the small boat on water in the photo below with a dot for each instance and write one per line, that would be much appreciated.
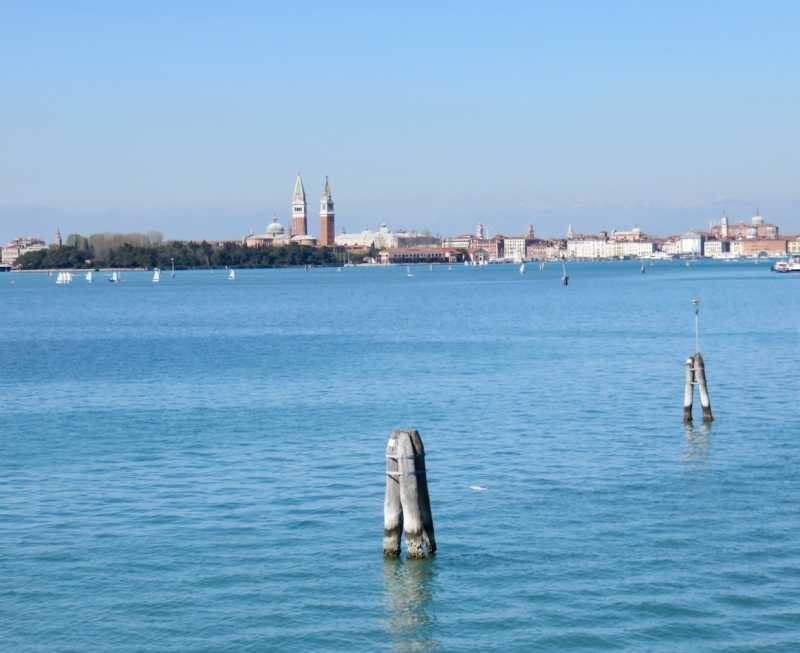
(522, 269)
(89, 276)
(791, 265)
(431, 266)
(449, 268)
(115, 278)
(408, 271)
(157, 276)
(338, 269)
(231, 276)
(64, 277)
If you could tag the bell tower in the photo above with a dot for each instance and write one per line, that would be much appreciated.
(326, 227)
(723, 230)
(299, 224)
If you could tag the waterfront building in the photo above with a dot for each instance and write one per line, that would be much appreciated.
(591, 247)
(630, 249)
(793, 246)
(634, 235)
(494, 245)
(480, 255)
(756, 229)
(383, 238)
(692, 243)
(406, 255)
(760, 246)
(716, 247)
(20, 246)
(557, 249)
(537, 250)
(461, 242)
(671, 245)
(515, 248)
(327, 234)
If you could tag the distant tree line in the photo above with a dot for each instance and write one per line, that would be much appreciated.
(149, 251)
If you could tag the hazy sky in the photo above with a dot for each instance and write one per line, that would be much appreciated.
(193, 117)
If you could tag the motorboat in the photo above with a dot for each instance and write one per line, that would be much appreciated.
(791, 265)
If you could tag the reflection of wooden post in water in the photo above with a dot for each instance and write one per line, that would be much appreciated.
(408, 595)
(407, 505)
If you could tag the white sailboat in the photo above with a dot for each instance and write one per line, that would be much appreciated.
(408, 271)
(89, 276)
(157, 276)
(338, 269)
(449, 268)
(114, 278)
(431, 266)
(60, 278)
(232, 275)
(522, 269)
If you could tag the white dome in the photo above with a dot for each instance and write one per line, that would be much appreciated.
(636, 231)
(757, 219)
(276, 228)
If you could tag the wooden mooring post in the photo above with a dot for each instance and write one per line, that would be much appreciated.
(688, 394)
(700, 376)
(407, 505)
(696, 375)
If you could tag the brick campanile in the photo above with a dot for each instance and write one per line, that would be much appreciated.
(326, 226)
(299, 224)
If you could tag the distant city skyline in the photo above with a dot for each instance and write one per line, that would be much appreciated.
(193, 119)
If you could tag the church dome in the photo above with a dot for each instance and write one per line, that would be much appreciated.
(636, 231)
(276, 228)
(757, 219)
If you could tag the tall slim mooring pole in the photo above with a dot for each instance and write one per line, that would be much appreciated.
(699, 372)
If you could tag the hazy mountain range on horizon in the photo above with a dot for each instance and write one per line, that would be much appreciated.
(659, 219)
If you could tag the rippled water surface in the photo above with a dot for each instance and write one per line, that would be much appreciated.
(198, 465)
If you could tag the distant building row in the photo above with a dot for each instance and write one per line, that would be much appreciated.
(20, 246)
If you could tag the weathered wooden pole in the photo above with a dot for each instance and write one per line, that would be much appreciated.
(688, 394)
(424, 498)
(700, 375)
(407, 505)
(392, 508)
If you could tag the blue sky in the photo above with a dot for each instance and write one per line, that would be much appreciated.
(193, 117)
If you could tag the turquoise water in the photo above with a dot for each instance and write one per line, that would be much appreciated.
(198, 465)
